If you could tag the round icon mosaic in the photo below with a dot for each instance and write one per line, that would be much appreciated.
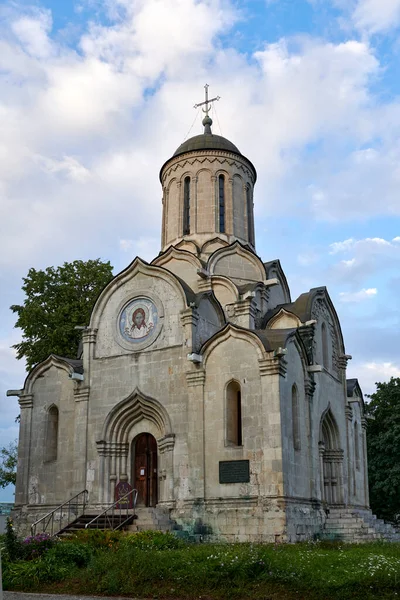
(138, 320)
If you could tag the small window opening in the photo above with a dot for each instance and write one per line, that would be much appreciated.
(234, 434)
(186, 206)
(52, 434)
(221, 194)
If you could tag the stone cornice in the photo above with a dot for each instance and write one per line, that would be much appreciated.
(309, 388)
(89, 336)
(81, 394)
(167, 443)
(348, 412)
(211, 156)
(194, 378)
(273, 366)
(105, 448)
(25, 401)
(189, 317)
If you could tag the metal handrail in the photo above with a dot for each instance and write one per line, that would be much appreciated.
(112, 507)
(50, 515)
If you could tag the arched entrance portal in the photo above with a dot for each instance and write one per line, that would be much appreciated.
(331, 460)
(144, 469)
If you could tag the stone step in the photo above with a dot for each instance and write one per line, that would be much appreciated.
(358, 525)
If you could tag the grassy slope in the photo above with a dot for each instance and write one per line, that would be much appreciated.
(145, 567)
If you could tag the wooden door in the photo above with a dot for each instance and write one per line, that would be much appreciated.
(145, 469)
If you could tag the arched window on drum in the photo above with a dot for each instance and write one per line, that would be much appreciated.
(186, 206)
(221, 203)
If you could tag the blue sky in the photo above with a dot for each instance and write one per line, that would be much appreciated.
(95, 96)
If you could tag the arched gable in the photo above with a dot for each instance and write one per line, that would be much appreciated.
(188, 245)
(238, 263)
(182, 263)
(210, 318)
(212, 245)
(39, 370)
(328, 344)
(131, 410)
(184, 292)
(279, 294)
(231, 332)
(224, 289)
(283, 320)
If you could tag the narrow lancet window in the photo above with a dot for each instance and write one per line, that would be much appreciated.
(295, 419)
(356, 445)
(51, 434)
(186, 206)
(250, 226)
(325, 354)
(221, 195)
(234, 414)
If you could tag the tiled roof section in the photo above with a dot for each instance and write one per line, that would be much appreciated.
(272, 339)
(351, 386)
(75, 363)
(189, 293)
(300, 307)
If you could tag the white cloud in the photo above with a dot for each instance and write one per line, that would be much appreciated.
(145, 247)
(351, 244)
(376, 16)
(359, 296)
(344, 246)
(369, 373)
(308, 258)
(349, 263)
(368, 256)
(32, 32)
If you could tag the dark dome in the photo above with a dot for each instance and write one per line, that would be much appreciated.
(206, 141)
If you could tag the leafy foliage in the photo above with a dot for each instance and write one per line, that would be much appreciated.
(71, 553)
(35, 546)
(12, 544)
(98, 538)
(219, 571)
(153, 540)
(57, 300)
(383, 442)
(8, 464)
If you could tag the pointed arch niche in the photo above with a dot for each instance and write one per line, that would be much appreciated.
(331, 460)
(132, 416)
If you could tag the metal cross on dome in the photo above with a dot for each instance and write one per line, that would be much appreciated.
(207, 101)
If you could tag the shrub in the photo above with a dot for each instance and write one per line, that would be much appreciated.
(98, 538)
(12, 544)
(71, 553)
(153, 540)
(27, 575)
(35, 546)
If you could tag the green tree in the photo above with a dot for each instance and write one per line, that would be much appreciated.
(383, 442)
(8, 464)
(57, 300)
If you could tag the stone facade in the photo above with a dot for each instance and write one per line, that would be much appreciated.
(217, 365)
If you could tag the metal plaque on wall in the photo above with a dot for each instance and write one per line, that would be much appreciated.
(234, 471)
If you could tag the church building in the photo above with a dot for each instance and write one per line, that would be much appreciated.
(202, 383)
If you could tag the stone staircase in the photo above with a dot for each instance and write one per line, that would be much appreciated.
(109, 522)
(357, 525)
(148, 518)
